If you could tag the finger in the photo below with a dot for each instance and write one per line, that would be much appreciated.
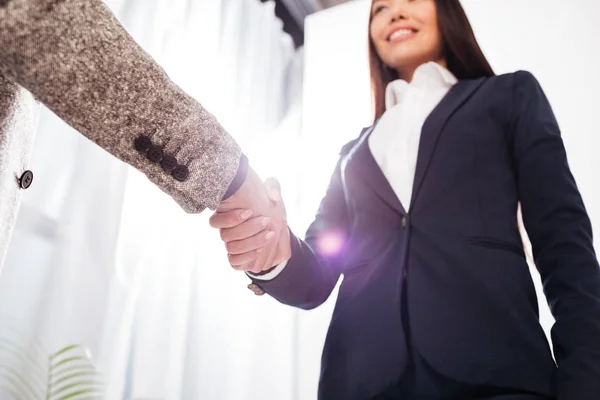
(238, 261)
(256, 268)
(273, 189)
(247, 267)
(255, 242)
(245, 229)
(229, 219)
(266, 257)
(263, 264)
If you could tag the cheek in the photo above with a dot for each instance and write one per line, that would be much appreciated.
(427, 11)
(435, 40)
(428, 18)
(375, 33)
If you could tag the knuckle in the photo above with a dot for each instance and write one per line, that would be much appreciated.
(216, 222)
(224, 235)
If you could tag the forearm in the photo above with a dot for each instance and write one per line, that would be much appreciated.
(306, 281)
(76, 58)
(571, 279)
(561, 237)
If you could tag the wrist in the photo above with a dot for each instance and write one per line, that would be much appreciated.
(239, 178)
(263, 272)
(282, 255)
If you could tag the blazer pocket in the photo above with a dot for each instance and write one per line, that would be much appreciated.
(354, 282)
(497, 244)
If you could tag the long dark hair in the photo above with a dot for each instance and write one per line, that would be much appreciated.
(463, 55)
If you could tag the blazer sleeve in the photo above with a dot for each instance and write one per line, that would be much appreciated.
(561, 238)
(76, 59)
(317, 262)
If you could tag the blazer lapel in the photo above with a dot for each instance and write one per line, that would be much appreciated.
(362, 162)
(434, 125)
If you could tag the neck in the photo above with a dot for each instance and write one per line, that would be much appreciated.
(407, 72)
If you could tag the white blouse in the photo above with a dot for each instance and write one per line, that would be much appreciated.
(394, 142)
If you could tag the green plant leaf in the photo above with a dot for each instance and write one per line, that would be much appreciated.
(23, 365)
(72, 374)
(27, 372)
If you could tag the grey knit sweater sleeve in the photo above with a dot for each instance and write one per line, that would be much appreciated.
(77, 59)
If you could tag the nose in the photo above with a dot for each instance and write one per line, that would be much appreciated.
(398, 15)
(398, 11)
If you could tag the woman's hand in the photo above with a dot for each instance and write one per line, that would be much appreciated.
(256, 243)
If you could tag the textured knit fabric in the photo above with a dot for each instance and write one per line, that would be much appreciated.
(18, 120)
(75, 57)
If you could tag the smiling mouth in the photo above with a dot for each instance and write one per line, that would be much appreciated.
(402, 34)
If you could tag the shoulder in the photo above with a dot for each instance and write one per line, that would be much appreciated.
(348, 146)
(511, 89)
(524, 77)
(513, 80)
(524, 88)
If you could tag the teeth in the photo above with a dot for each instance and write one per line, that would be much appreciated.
(401, 34)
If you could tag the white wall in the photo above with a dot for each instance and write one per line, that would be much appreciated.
(555, 40)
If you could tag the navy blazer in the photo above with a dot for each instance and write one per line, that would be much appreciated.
(471, 303)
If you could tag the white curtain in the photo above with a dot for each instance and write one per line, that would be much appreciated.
(100, 257)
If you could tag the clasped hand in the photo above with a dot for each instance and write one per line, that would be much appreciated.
(253, 225)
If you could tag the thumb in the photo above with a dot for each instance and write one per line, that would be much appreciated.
(273, 189)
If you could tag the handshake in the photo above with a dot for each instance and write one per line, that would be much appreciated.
(253, 225)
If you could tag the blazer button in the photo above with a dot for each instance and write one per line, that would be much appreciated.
(168, 163)
(26, 179)
(155, 154)
(404, 222)
(180, 173)
(142, 143)
(257, 291)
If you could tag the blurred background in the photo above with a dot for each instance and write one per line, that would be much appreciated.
(100, 257)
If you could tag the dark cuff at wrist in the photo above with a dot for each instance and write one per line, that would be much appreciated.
(238, 179)
(261, 273)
